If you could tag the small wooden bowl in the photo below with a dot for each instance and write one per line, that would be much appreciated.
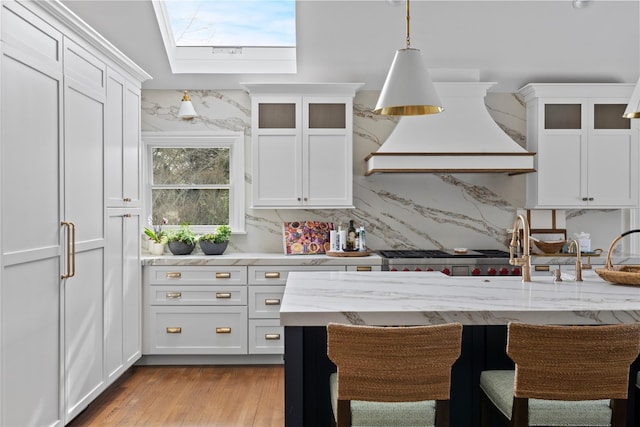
(550, 247)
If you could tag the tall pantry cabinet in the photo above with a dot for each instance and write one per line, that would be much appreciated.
(67, 323)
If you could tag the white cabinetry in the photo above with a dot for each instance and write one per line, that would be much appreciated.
(122, 146)
(266, 287)
(587, 154)
(195, 310)
(30, 285)
(217, 311)
(302, 145)
(83, 118)
(122, 288)
(55, 337)
(122, 292)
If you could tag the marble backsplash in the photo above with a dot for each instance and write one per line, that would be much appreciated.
(423, 211)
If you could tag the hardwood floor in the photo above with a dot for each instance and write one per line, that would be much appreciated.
(221, 396)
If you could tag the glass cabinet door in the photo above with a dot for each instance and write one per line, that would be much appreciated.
(277, 116)
(563, 116)
(609, 116)
(327, 116)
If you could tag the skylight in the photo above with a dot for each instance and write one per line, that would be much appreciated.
(228, 36)
(267, 23)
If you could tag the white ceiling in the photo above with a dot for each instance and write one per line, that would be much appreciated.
(509, 42)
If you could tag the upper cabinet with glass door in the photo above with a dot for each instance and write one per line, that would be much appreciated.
(302, 145)
(587, 154)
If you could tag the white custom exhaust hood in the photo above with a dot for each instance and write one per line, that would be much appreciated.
(463, 138)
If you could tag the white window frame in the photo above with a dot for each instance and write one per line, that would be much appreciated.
(234, 141)
(222, 60)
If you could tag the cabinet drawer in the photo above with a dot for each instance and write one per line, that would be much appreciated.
(277, 275)
(197, 295)
(371, 267)
(266, 336)
(265, 301)
(236, 275)
(198, 330)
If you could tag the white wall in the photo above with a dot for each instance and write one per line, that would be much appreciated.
(423, 211)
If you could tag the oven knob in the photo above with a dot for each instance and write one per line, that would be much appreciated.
(417, 269)
(504, 271)
(516, 271)
(405, 269)
(446, 271)
(429, 269)
(475, 271)
(393, 269)
(492, 271)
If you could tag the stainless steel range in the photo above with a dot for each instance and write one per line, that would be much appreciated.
(479, 262)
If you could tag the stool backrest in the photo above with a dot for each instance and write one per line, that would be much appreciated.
(394, 364)
(572, 362)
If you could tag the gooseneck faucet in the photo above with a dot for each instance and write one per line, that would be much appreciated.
(572, 243)
(525, 259)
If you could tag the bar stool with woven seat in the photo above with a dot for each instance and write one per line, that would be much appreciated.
(398, 376)
(564, 376)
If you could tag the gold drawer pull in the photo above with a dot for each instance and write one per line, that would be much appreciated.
(174, 330)
(363, 268)
(272, 275)
(174, 275)
(222, 295)
(223, 275)
(127, 215)
(272, 301)
(127, 199)
(271, 336)
(174, 295)
(223, 330)
(541, 268)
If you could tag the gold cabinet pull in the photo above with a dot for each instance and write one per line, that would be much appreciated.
(272, 275)
(127, 215)
(174, 295)
(71, 249)
(272, 301)
(271, 336)
(541, 268)
(223, 275)
(363, 268)
(223, 295)
(127, 199)
(174, 330)
(223, 330)
(174, 275)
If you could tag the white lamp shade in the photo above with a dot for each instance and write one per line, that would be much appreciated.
(633, 107)
(408, 90)
(187, 111)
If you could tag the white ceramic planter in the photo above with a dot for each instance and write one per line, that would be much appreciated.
(156, 248)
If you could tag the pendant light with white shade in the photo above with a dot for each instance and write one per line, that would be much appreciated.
(633, 107)
(187, 112)
(408, 89)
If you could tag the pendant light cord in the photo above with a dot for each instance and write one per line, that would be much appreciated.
(408, 26)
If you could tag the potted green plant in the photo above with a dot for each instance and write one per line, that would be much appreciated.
(215, 243)
(182, 241)
(157, 240)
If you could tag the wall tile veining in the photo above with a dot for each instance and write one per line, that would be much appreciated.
(398, 210)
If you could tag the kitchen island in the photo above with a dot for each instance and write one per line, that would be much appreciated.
(483, 305)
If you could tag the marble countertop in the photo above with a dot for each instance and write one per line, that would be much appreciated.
(271, 258)
(258, 258)
(409, 298)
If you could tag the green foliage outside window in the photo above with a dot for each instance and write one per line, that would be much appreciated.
(191, 185)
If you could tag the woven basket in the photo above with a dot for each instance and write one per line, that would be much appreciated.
(549, 247)
(623, 274)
